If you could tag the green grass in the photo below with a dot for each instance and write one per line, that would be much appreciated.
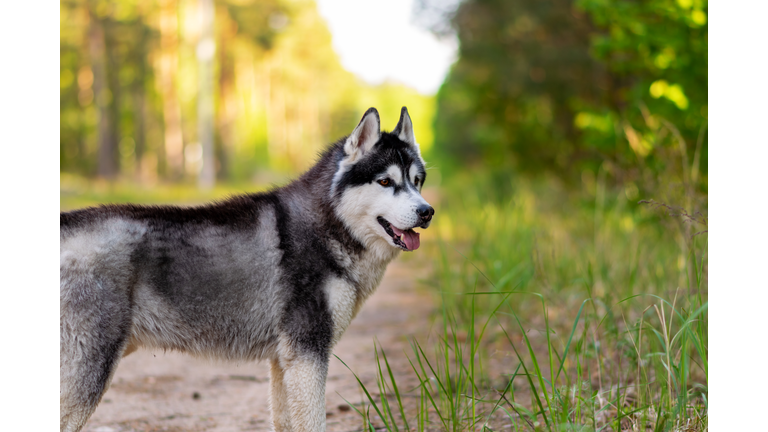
(561, 310)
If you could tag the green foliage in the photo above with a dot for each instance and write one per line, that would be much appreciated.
(658, 51)
(125, 36)
(564, 85)
(507, 97)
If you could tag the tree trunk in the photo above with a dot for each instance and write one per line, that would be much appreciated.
(139, 110)
(206, 50)
(107, 147)
(113, 94)
(169, 62)
(226, 110)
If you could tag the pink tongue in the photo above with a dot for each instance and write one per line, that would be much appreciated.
(410, 237)
(411, 240)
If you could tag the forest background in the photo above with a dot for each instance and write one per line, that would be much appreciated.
(560, 86)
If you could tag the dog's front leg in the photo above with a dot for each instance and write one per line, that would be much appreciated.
(278, 398)
(304, 382)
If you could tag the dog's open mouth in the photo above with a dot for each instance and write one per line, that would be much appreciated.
(406, 239)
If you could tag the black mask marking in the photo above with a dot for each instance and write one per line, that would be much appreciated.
(390, 150)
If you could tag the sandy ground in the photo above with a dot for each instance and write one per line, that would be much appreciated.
(156, 391)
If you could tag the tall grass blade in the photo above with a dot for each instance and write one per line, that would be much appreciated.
(362, 386)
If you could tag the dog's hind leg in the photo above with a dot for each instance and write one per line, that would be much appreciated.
(94, 329)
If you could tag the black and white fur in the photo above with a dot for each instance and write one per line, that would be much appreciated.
(275, 276)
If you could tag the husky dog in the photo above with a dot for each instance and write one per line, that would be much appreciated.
(276, 275)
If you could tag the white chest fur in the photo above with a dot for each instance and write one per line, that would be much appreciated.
(346, 297)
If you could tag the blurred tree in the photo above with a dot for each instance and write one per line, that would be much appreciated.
(103, 88)
(169, 47)
(657, 51)
(521, 64)
(206, 49)
(138, 92)
(561, 85)
(104, 76)
(280, 93)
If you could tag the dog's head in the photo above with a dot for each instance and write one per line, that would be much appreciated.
(377, 185)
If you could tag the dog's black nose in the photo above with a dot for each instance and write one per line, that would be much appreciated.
(425, 212)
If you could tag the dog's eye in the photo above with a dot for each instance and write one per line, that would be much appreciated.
(384, 182)
(416, 182)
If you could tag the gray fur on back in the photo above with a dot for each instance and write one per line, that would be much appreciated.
(215, 280)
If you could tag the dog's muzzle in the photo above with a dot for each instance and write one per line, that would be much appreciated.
(425, 213)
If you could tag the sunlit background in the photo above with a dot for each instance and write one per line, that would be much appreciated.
(282, 86)
(567, 144)
(153, 91)
(150, 92)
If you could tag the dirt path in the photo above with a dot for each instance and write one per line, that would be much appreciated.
(156, 391)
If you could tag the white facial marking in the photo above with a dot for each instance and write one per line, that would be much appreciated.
(412, 172)
(361, 205)
(394, 173)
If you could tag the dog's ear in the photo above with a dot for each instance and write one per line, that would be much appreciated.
(365, 135)
(404, 128)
